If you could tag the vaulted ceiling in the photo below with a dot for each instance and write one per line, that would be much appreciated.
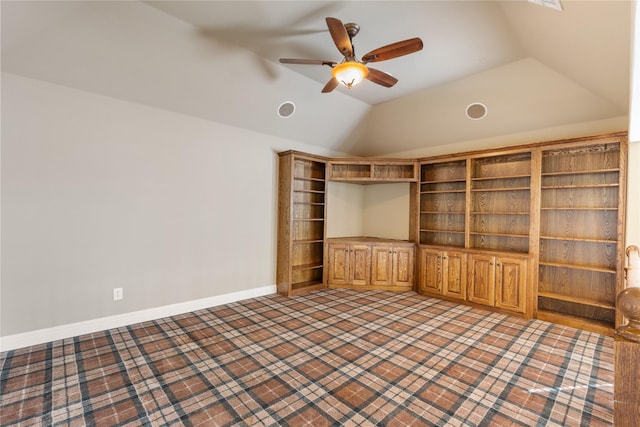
(533, 67)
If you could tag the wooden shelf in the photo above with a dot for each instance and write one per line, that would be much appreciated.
(580, 172)
(478, 233)
(308, 178)
(443, 191)
(445, 181)
(441, 231)
(578, 239)
(499, 213)
(480, 190)
(580, 209)
(579, 322)
(305, 287)
(307, 266)
(576, 186)
(501, 177)
(309, 191)
(306, 242)
(443, 212)
(576, 300)
(578, 267)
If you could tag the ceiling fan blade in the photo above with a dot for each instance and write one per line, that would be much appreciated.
(340, 36)
(331, 85)
(381, 78)
(307, 61)
(393, 50)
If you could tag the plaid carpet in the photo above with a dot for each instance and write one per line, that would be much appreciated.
(334, 357)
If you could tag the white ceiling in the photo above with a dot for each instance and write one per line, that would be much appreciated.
(533, 67)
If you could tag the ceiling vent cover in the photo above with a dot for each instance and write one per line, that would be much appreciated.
(476, 111)
(286, 109)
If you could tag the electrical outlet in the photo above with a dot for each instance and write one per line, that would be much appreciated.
(117, 294)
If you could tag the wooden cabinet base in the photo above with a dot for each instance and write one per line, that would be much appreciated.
(373, 288)
(497, 281)
(370, 263)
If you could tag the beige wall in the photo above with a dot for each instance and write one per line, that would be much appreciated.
(99, 193)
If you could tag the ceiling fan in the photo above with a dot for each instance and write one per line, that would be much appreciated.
(351, 71)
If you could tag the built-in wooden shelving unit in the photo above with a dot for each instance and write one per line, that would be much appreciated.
(581, 250)
(443, 192)
(301, 223)
(372, 170)
(535, 230)
(500, 196)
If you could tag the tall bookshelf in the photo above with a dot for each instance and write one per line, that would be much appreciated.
(500, 202)
(581, 233)
(443, 189)
(301, 223)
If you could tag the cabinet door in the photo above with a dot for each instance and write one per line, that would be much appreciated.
(511, 274)
(430, 271)
(381, 265)
(338, 273)
(482, 275)
(454, 268)
(403, 266)
(360, 264)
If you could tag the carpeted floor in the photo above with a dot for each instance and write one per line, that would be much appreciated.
(334, 357)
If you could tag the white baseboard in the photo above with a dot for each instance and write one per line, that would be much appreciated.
(12, 342)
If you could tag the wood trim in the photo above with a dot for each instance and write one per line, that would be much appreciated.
(598, 139)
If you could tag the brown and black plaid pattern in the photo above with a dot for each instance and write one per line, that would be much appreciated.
(335, 357)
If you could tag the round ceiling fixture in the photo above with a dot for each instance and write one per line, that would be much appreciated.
(476, 111)
(286, 109)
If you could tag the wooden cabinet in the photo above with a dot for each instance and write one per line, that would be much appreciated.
(373, 170)
(370, 263)
(443, 272)
(581, 232)
(392, 265)
(499, 281)
(349, 264)
(301, 223)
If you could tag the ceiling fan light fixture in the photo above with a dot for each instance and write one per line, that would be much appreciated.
(350, 73)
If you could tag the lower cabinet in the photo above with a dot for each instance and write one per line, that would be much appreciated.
(370, 263)
(498, 281)
(443, 273)
(349, 264)
(485, 278)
